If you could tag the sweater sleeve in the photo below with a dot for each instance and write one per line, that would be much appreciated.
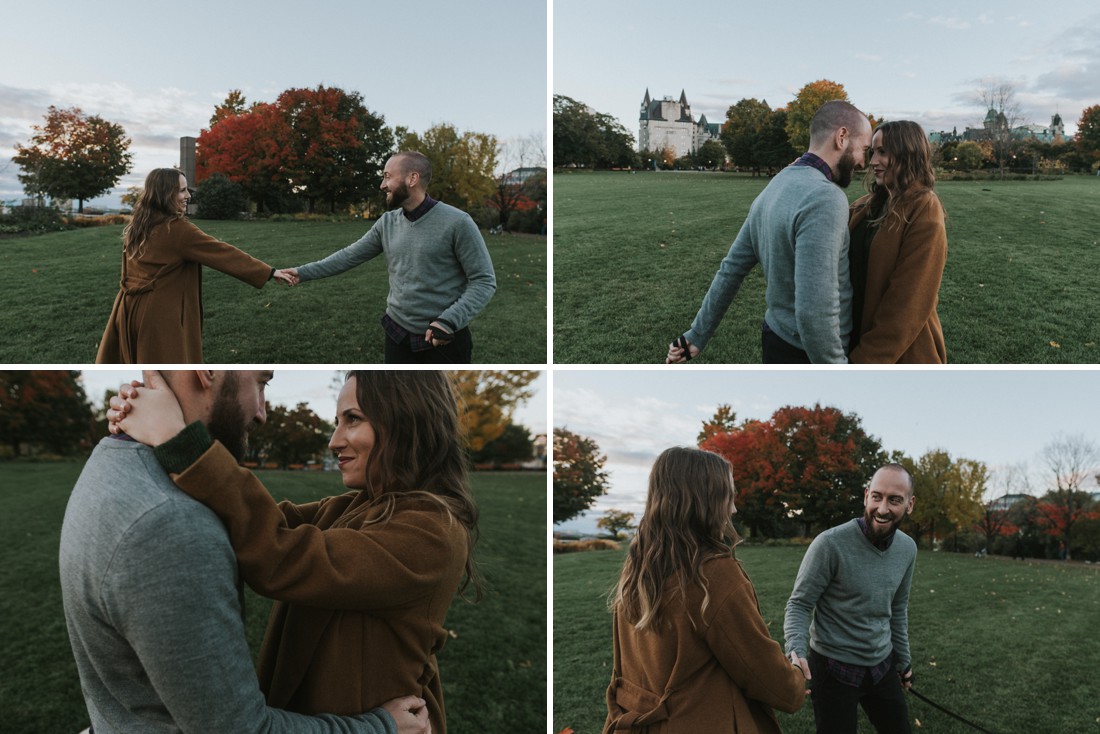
(821, 255)
(377, 568)
(813, 576)
(170, 591)
(481, 281)
(365, 248)
(740, 641)
(737, 263)
(912, 289)
(899, 618)
(213, 253)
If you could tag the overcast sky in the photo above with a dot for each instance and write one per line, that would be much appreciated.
(917, 61)
(1000, 417)
(318, 389)
(158, 69)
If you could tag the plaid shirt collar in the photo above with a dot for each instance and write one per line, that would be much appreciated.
(423, 208)
(809, 159)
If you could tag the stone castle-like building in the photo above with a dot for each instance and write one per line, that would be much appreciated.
(668, 124)
(995, 123)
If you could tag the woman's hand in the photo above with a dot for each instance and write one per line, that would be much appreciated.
(159, 417)
(410, 713)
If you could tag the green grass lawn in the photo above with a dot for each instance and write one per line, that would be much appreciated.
(634, 255)
(56, 293)
(1011, 646)
(493, 668)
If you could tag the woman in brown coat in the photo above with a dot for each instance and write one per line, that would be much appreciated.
(157, 314)
(691, 652)
(897, 254)
(363, 580)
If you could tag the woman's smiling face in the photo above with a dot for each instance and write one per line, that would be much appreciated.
(353, 439)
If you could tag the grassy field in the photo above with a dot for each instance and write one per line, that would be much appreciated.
(634, 255)
(1007, 645)
(493, 669)
(57, 289)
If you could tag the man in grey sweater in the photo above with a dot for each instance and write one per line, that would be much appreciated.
(797, 229)
(855, 581)
(152, 598)
(441, 275)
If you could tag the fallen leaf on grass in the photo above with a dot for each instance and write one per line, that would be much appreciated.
(566, 730)
(524, 663)
(1056, 345)
(453, 634)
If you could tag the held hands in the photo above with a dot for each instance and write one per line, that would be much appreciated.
(287, 276)
(160, 417)
(438, 334)
(803, 665)
(676, 352)
(410, 714)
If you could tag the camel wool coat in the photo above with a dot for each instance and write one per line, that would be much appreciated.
(900, 323)
(157, 314)
(358, 617)
(702, 674)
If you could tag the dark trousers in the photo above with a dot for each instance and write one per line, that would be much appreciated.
(835, 703)
(458, 351)
(777, 351)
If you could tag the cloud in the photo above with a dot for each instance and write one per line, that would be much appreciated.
(954, 23)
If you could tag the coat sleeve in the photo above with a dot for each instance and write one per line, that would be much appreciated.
(377, 568)
(197, 246)
(911, 290)
(740, 641)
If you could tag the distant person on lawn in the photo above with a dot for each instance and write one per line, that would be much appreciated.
(440, 272)
(692, 654)
(898, 252)
(157, 314)
(797, 231)
(854, 584)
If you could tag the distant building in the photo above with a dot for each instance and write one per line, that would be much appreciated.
(1007, 502)
(667, 124)
(995, 124)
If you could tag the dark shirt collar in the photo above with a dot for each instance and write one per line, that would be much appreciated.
(810, 159)
(883, 544)
(422, 208)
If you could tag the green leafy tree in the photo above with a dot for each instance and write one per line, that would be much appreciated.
(579, 477)
(616, 522)
(219, 198)
(73, 156)
(487, 400)
(512, 445)
(584, 137)
(290, 436)
(1088, 133)
(711, 154)
(463, 164)
(967, 157)
(805, 105)
(743, 132)
(45, 410)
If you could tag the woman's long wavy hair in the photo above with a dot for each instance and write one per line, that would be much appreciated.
(419, 452)
(687, 521)
(911, 172)
(157, 205)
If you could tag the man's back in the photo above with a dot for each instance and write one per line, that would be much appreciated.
(149, 585)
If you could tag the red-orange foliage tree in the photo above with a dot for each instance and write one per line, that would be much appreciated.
(803, 467)
(44, 410)
(579, 477)
(73, 156)
(248, 147)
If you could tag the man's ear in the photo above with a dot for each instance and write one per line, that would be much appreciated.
(205, 378)
(840, 138)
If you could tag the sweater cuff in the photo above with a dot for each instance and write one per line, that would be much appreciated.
(184, 449)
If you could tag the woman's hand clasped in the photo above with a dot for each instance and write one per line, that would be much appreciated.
(159, 417)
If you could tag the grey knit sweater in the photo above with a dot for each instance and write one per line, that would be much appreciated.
(859, 596)
(797, 229)
(439, 266)
(149, 586)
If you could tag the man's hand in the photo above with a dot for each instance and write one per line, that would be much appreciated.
(803, 665)
(676, 354)
(432, 334)
(906, 678)
(410, 714)
(161, 417)
(289, 276)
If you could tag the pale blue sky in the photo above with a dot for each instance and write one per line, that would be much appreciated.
(1000, 417)
(158, 69)
(918, 61)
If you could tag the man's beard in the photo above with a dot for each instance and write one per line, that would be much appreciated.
(844, 168)
(227, 422)
(878, 532)
(397, 196)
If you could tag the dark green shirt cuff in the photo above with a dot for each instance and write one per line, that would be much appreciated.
(184, 449)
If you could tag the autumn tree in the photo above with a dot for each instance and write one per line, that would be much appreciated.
(579, 477)
(235, 104)
(73, 156)
(1071, 460)
(511, 194)
(290, 436)
(336, 146)
(45, 409)
(805, 105)
(487, 400)
(724, 420)
(587, 138)
(463, 164)
(616, 522)
(513, 444)
(249, 147)
(1088, 133)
